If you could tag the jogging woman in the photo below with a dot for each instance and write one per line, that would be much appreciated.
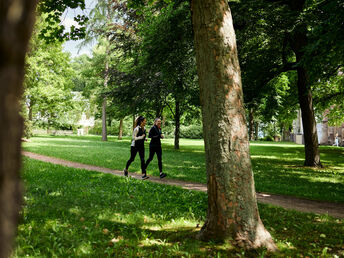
(138, 145)
(155, 145)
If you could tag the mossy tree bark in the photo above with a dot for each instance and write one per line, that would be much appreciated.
(232, 205)
(16, 22)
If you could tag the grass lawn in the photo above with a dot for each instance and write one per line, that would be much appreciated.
(76, 213)
(277, 167)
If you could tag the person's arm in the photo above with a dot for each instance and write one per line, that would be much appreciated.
(135, 137)
(154, 133)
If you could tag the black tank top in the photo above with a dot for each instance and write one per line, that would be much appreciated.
(140, 143)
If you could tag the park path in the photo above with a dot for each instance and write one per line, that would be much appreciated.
(288, 202)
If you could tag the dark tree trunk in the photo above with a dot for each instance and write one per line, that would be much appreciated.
(298, 42)
(251, 125)
(106, 79)
(32, 103)
(134, 122)
(120, 133)
(232, 205)
(177, 122)
(256, 129)
(104, 127)
(312, 156)
(16, 21)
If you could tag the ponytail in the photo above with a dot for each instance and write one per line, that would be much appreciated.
(139, 120)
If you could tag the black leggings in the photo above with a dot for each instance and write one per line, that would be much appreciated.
(152, 151)
(133, 152)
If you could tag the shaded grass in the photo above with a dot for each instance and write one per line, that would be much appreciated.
(277, 167)
(77, 213)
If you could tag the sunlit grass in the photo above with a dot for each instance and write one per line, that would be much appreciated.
(277, 167)
(76, 213)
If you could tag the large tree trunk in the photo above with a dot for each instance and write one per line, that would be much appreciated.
(312, 156)
(298, 43)
(256, 130)
(16, 21)
(232, 205)
(177, 128)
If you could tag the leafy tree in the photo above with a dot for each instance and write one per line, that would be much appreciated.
(167, 50)
(163, 68)
(292, 34)
(53, 29)
(47, 82)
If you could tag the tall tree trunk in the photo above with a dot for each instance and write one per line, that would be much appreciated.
(16, 21)
(134, 122)
(177, 128)
(104, 127)
(256, 129)
(251, 124)
(312, 156)
(298, 43)
(120, 133)
(232, 205)
(30, 107)
(106, 79)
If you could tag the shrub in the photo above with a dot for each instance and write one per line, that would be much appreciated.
(268, 138)
(191, 131)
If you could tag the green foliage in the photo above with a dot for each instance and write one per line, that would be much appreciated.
(113, 129)
(48, 83)
(191, 131)
(28, 129)
(264, 32)
(52, 29)
(268, 138)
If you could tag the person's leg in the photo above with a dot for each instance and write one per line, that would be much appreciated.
(143, 167)
(133, 152)
(159, 155)
(151, 156)
(142, 158)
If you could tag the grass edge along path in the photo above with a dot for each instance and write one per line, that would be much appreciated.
(335, 210)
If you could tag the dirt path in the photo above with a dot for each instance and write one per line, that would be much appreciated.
(288, 202)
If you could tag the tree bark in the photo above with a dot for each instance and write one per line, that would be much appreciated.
(16, 21)
(106, 79)
(177, 128)
(104, 127)
(232, 206)
(312, 155)
(120, 133)
(134, 122)
(298, 43)
(256, 130)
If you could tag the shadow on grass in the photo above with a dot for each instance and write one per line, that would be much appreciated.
(77, 213)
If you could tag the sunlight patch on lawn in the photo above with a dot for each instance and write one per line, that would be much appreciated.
(58, 193)
(75, 210)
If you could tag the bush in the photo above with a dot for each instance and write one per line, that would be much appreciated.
(191, 131)
(28, 127)
(268, 138)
